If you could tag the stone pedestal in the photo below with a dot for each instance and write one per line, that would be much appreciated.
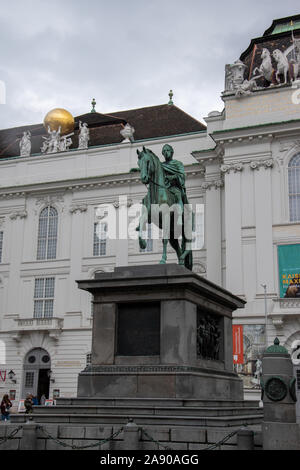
(160, 332)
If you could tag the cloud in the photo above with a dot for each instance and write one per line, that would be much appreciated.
(124, 54)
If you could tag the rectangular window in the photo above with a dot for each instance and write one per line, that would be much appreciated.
(43, 297)
(148, 238)
(1, 245)
(100, 235)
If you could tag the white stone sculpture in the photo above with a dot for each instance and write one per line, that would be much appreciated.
(51, 143)
(127, 133)
(25, 144)
(65, 143)
(234, 75)
(84, 135)
(246, 88)
(55, 143)
(282, 65)
(266, 68)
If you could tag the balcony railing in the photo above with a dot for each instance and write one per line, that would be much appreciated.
(287, 303)
(39, 323)
(25, 326)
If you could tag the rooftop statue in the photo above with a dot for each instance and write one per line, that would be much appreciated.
(55, 143)
(25, 144)
(166, 188)
(84, 135)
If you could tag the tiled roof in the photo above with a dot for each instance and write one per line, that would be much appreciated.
(149, 122)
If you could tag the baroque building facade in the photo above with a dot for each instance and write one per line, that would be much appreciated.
(242, 174)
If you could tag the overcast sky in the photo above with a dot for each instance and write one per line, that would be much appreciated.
(125, 54)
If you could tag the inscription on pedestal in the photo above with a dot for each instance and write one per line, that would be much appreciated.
(138, 329)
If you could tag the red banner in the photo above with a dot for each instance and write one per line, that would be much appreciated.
(3, 375)
(237, 342)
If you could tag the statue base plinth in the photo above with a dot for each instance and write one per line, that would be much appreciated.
(160, 332)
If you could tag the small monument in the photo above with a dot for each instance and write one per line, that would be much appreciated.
(161, 331)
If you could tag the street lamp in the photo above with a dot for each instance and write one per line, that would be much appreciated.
(266, 312)
(11, 376)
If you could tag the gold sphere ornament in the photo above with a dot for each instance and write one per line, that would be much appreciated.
(59, 117)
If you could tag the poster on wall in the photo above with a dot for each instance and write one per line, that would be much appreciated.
(237, 343)
(253, 347)
(289, 270)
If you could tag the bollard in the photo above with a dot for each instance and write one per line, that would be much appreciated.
(29, 438)
(245, 439)
(131, 436)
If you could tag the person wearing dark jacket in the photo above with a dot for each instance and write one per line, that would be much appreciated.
(6, 404)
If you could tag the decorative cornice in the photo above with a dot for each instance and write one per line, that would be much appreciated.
(277, 321)
(216, 184)
(74, 208)
(121, 203)
(49, 199)
(227, 168)
(258, 164)
(18, 214)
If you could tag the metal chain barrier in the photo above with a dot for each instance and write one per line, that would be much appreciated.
(72, 446)
(211, 447)
(10, 436)
(156, 442)
(111, 438)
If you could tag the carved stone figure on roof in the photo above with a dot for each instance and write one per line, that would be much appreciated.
(127, 133)
(55, 143)
(25, 144)
(246, 88)
(84, 135)
(265, 69)
(282, 65)
(51, 143)
(65, 143)
(234, 75)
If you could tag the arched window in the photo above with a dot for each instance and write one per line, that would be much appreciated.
(294, 188)
(47, 233)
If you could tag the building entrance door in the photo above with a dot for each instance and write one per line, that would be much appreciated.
(36, 377)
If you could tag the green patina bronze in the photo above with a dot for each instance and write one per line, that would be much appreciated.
(276, 348)
(166, 187)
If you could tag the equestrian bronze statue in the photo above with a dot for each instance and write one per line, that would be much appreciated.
(166, 204)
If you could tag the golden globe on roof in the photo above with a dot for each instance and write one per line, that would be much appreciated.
(59, 117)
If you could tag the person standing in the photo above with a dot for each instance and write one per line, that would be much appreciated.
(6, 404)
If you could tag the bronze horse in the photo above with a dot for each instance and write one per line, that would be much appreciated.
(154, 204)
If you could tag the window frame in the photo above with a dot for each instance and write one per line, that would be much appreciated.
(293, 186)
(46, 302)
(100, 244)
(43, 253)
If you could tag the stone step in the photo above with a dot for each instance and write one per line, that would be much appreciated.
(141, 402)
(148, 410)
(160, 420)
